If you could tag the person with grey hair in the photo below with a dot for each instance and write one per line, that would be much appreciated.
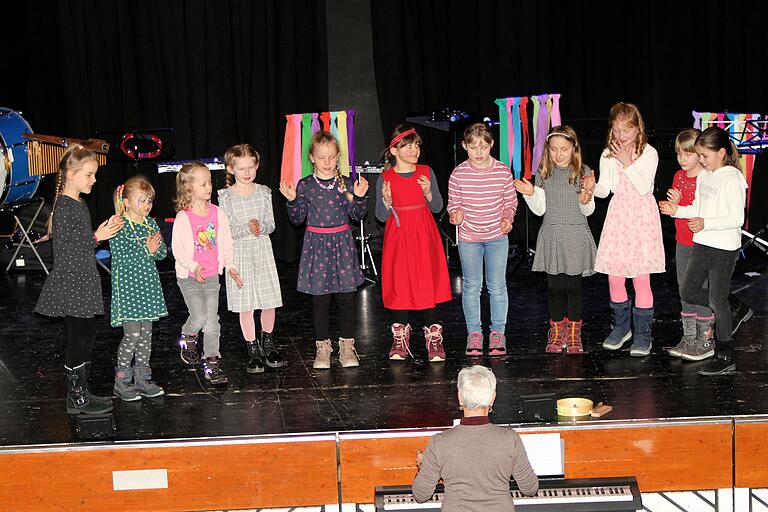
(476, 458)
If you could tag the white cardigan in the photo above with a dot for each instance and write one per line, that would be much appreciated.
(641, 173)
(720, 198)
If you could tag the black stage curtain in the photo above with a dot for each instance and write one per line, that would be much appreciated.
(217, 72)
(668, 58)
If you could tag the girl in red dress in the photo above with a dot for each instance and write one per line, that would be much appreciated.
(414, 272)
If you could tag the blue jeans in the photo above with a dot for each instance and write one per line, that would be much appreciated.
(494, 255)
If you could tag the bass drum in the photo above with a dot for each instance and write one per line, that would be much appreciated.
(16, 184)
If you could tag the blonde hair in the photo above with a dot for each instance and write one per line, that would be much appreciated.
(686, 140)
(72, 160)
(631, 114)
(546, 165)
(478, 131)
(238, 151)
(715, 139)
(184, 179)
(413, 138)
(323, 137)
(137, 184)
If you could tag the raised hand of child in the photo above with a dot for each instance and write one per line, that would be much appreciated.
(199, 274)
(667, 207)
(696, 224)
(153, 242)
(456, 217)
(238, 280)
(622, 153)
(109, 228)
(585, 196)
(506, 225)
(288, 190)
(588, 183)
(386, 194)
(361, 186)
(425, 184)
(254, 226)
(674, 196)
(524, 186)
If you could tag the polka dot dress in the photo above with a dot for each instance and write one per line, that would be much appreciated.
(137, 295)
(73, 288)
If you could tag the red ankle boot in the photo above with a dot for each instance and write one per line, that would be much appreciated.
(572, 337)
(555, 342)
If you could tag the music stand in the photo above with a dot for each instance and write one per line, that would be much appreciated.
(365, 249)
(25, 240)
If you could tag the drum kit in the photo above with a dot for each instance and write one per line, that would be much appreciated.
(24, 158)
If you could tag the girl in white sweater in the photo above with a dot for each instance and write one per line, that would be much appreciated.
(715, 217)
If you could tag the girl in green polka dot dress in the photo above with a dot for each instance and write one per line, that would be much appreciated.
(137, 297)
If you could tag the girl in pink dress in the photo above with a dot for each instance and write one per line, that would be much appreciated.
(631, 243)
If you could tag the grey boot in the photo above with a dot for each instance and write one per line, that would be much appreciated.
(143, 382)
(124, 388)
(689, 334)
(78, 401)
(642, 341)
(703, 346)
(620, 329)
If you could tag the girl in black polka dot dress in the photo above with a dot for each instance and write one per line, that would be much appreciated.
(137, 296)
(73, 289)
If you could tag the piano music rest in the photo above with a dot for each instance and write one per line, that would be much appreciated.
(619, 494)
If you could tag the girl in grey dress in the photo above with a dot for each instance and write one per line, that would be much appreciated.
(565, 248)
(73, 289)
(248, 207)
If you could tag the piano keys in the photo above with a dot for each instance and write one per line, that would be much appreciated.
(620, 494)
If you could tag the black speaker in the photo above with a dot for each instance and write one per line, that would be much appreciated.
(94, 427)
(537, 408)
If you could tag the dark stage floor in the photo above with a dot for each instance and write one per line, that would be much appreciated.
(379, 394)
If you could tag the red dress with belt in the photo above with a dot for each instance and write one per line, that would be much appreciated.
(414, 272)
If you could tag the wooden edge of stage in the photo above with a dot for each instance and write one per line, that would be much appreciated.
(751, 453)
(310, 469)
(199, 477)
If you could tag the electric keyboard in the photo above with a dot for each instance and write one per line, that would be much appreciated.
(214, 164)
(555, 495)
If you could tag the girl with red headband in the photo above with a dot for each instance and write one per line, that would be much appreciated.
(414, 272)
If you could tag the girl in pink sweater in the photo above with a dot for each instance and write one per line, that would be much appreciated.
(202, 246)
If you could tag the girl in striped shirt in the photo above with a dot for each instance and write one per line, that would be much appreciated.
(482, 203)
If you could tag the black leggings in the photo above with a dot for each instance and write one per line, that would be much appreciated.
(401, 316)
(564, 296)
(345, 305)
(81, 335)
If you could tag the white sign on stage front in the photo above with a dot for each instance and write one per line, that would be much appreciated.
(545, 451)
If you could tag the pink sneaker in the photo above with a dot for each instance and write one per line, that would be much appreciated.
(497, 344)
(401, 341)
(433, 335)
(474, 344)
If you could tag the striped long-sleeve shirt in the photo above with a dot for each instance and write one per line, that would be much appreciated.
(485, 196)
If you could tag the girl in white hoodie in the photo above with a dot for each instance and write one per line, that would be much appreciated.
(715, 217)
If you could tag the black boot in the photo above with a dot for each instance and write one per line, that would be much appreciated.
(78, 397)
(269, 351)
(98, 400)
(255, 360)
(721, 364)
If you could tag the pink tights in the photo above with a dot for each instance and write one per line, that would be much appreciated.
(248, 325)
(642, 285)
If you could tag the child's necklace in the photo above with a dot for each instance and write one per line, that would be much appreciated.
(329, 186)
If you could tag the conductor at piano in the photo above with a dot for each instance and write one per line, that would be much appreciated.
(476, 458)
